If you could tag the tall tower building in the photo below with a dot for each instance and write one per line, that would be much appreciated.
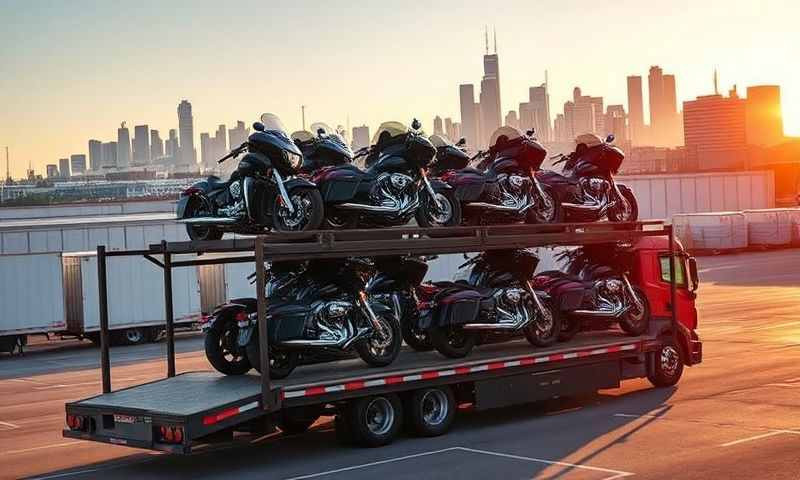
(655, 83)
(360, 137)
(511, 119)
(77, 163)
(469, 119)
(156, 145)
(635, 110)
(715, 132)
(448, 129)
(52, 170)
(186, 152)
(491, 115)
(764, 118)
(141, 145)
(238, 135)
(109, 155)
(438, 128)
(206, 149)
(123, 146)
(539, 100)
(171, 146)
(95, 155)
(63, 167)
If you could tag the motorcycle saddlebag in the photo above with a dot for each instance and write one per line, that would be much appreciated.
(338, 184)
(461, 307)
(287, 321)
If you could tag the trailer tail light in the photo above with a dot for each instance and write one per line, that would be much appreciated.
(170, 434)
(79, 422)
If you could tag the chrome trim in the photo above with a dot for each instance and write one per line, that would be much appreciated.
(282, 189)
(209, 220)
(246, 195)
(632, 293)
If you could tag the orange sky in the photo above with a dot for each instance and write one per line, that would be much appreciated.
(91, 64)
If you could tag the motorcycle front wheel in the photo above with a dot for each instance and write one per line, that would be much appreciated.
(308, 211)
(382, 347)
(198, 207)
(452, 342)
(544, 330)
(281, 362)
(636, 321)
(442, 211)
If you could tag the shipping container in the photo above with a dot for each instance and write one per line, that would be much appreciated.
(712, 231)
(664, 195)
(86, 209)
(135, 296)
(31, 296)
(772, 226)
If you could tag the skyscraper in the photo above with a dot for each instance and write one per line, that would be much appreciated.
(715, 132)
(448, 129)
(95, 155)
(52, 170)
(187, 155)
(469, 119)
(171, 146)
(491, 115)
(664, 121)
(438, 128)
(539, 100)
(511, 119)
(615, 123)
(360, 137)
(156, 146)
(123, 146)
(63, 167)
(764, 118)
(238, 135)
(141, 145)
(635, 110)
(109, 155)
(77, 163)
(206, 149)
(220, 142)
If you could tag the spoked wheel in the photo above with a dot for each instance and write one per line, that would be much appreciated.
(223, 351)
(452, 342)
(198, 207)
(444, 210)
(308, 211)
(383, 346)
(281, 362)
(431, 411)
(545, 328)
(547, 208)
(626, 209)
(637, 319)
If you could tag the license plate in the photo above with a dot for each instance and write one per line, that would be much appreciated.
(124, 419)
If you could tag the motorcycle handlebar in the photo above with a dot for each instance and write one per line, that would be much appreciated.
(233, 153)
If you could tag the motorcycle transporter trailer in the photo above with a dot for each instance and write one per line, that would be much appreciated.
(194, 409)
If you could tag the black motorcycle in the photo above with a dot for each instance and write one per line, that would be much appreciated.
(586, 187)
(395, 283)
(330, 312)
(393, 187)
(501, 186)
(595, 291)
(321, 147)
(497, 303)
(263, 193)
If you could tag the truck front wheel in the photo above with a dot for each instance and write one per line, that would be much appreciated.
(667, 366)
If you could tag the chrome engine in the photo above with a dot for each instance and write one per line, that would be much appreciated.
(395, 191)
(333, 321)
(513, 193)
(596, 190)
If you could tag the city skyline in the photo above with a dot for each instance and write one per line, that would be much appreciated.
(66, 92)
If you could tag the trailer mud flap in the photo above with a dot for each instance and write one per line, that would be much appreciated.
(532, 387)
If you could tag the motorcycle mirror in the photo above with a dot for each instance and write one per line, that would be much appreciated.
(530, 132)
(258, 126)
(461, 142)
(693, 273)
(416, 124)
(320, 131)
(610, 138)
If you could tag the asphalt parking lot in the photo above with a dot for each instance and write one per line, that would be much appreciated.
(735, 416)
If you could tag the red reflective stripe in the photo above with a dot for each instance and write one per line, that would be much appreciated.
(220, 416)
(310, 392)
(555, 357)
(394, 380)
(583, 354)
(496, 365)
(430, 375)
(614, 349)
(354, 385)
(527, 361)
(462, 370)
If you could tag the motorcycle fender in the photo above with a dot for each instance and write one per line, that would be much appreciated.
(223, 313)
(439, 186)
(624, 188)
(180, 209)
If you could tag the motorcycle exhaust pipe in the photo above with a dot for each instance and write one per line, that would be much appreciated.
(499, 208)
(617, 312)
(209, 220)
(368, 208)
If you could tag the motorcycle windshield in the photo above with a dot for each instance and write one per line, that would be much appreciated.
(321, 129)
(502, 135)
(273, 126)
(302, 136)
(440, 140)
(391, 129)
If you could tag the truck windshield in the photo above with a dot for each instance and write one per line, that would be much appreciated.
(680, 268)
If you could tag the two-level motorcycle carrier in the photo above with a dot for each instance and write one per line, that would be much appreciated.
(187, 410)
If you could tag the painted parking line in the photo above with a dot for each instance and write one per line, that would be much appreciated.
(41, 447)
(8, 426)
(612, 474)
(771, 433)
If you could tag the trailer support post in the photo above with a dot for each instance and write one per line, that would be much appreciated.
(168, 310)
(263, 336)
(105, 340)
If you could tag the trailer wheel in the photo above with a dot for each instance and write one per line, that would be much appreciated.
(431, 411)
(373, 421)
(131, 336)
(667, 366)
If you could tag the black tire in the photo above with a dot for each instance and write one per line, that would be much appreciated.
(381, 350)
(93, 337)
(428, 218)
(281, 362)
(297, 420)
(418, 340)
(452, 342)
(197, 207)
(544, 337)
(618, 214)
(309, 208)
(538, 216)
(154, 334)
(430, 412)
(634, 322)
(223, 352)
(373, 421)
(570, 326)
(131, 336)
(667, 366)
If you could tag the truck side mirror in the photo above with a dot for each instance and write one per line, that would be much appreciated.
(693, 273)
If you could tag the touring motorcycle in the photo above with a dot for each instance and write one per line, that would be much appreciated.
(500, 185)
(321, 147)
(263, 192)
(393, 187)
(586, 187)
(395, 283)
(595, 291)
(497, 303)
